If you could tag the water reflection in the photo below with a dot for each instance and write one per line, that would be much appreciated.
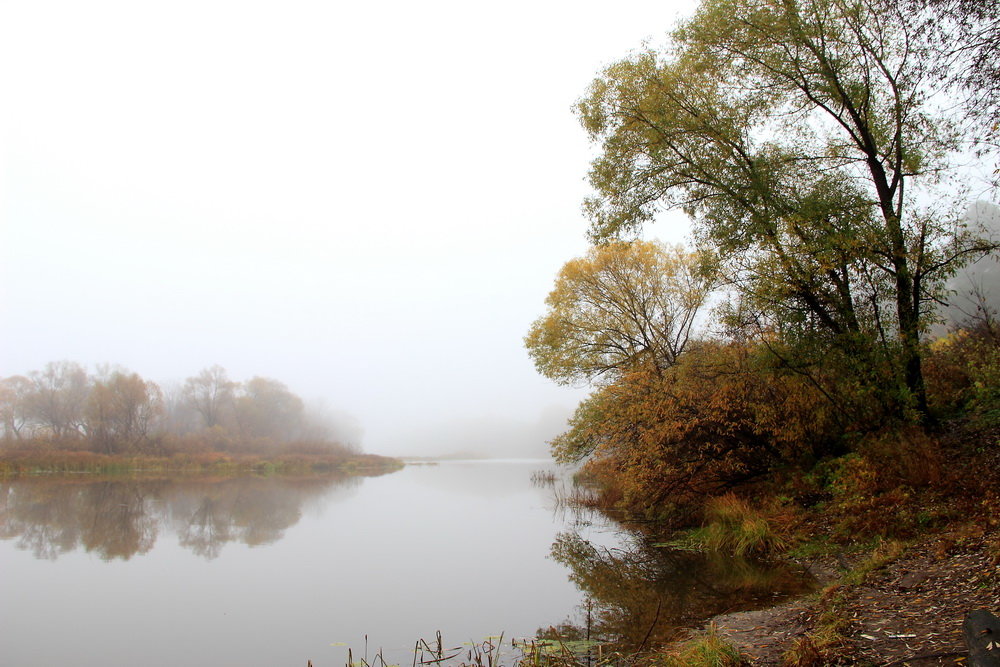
(117, 519)
(642, 595)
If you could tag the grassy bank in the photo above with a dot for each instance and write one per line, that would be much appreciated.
(904, 537)
(28, 462)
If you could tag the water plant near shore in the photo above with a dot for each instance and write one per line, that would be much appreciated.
(543, 478)
(734, 527)
(705, 650)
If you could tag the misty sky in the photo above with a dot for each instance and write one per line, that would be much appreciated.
(366, 201)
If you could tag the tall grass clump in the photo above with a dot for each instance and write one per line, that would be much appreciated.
(733, 526)
(708, 650)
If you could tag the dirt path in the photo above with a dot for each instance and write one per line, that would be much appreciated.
(907, 613)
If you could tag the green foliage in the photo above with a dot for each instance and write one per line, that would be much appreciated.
(795, 134)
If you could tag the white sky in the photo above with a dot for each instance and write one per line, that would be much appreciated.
(366, 201)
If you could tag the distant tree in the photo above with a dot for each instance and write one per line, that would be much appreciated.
(58, 398)
(266, 409)
(14, 392)
(623, 305)
(211, 394)
(179, 416)
(121, 410)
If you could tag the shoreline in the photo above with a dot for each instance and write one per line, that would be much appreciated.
(908, 609)
(19, 464)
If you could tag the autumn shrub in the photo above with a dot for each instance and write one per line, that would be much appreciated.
(869, 499)
(825, 645)
(719, 418)
(962, 371)
(904, 456)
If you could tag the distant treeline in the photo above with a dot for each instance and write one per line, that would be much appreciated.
(115, 411)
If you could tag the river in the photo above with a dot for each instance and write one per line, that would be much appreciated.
(280, 571)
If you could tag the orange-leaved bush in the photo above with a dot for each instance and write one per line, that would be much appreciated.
(667, 439)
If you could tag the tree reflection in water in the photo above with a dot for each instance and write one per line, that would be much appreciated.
(118, 519)
(643, 595)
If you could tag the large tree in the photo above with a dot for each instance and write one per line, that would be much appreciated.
(14, 415)
(802, 137)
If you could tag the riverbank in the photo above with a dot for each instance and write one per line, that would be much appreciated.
(896, 590)
(907, 609)
(58, 462)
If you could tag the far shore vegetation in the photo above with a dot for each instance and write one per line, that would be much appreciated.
(39, 460)
(62, 419)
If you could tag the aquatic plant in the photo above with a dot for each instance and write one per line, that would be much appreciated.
(543, 478)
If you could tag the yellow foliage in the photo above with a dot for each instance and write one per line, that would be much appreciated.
(620, 307)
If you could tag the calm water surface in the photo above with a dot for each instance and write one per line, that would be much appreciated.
(279, 571)
(275, 571)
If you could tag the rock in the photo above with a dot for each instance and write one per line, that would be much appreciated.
(981, 631)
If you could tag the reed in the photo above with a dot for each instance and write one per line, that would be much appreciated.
(497, 652)
(543, 478)
(575, 497)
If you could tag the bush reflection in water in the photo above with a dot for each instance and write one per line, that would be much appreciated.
(118, 519)
(642, 596)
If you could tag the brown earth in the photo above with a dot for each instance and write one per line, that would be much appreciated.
(909, 612)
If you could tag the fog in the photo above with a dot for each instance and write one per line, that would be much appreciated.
(973, 293)
(366, 202)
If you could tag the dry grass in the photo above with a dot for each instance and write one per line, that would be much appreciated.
(27, 462)
(733, 526)
(707, 650)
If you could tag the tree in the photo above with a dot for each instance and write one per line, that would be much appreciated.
(58, 398)
(800, 136)
(621, 306)
(211, 393)
(14, 416)
(266, 409)
(968, 33)
(120, 411)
